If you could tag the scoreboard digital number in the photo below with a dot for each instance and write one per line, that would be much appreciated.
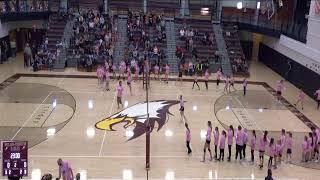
(15, 158)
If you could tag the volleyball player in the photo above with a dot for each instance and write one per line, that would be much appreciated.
(300, 99)
(122, 69)
(239, 142)
(279, 88)
(107, 79)
(206, 78)
(113, 69)
(230, 140)
(245, 140)
(282, 141)
(166, 73)
(156, 72)
(119, 90)
(207, 144)
(222, 145)
(272, 152)
(232, 84)
(304, 149)
(244, 84)
(181, 109)
(129, 80)
(253, 145)
(218, 76)
(195, 81)
(180, 75)
(262, 147)
(227, 84)
(289, 142)
(216, 142)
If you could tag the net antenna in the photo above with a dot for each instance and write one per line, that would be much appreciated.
(146, 79)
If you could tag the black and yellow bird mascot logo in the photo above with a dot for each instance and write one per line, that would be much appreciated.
(136, 116)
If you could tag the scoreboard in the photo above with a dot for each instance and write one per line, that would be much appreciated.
(15, 158)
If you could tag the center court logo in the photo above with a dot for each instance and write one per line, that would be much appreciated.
(136, 115)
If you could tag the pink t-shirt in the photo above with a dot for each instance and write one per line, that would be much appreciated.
(181, 103)
(119, 91)
(208, 135)
(122, 66)
(278, 150)
(137, 70)
(206, 75)
(129, 78)
(301, 95)
(262, 144)
(272, 151)
(245, 83)
(113, 68)
(222, 142)
(289, 142)
(227, 81)
(107, 75)
(167, 69)
(280, 86)
(216, 137)
(230, 137)
(218, 75)
(240, 138)
(196, 77)
(317, 93)
(309, 143)
(188, 135)
(65, 171)
(304, 146)
(283, 141)
(253, 142)
(156, 69)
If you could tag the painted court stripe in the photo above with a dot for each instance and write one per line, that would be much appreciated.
(105, 132)
(25, 123)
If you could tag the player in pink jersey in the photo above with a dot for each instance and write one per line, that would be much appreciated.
(279, 88)
(304, 148)
(65, 170)
(272, 152)
(180, 75)
(230, 136)
(188, 138)
(317, 94)
(156, 72)
(227, 84)
(216, 142)
(218, 76)
(289, 142)
(137, 71)
(207, 144)
(129, 80)
(181, 109)
(262, 147)
(239, 142)
(277, 157)
(300, 99)
(122, 69)
(310, 145)
(119, 90)
(222, 145)
(195, 81)
(316, 135)
(253, 145)
(99, 75)
(206, 78)
(166, 73)
(245, 141)
(107, 80)
(283, 142)
(245, 84)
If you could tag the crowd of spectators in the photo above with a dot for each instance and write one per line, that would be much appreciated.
(38, 56)
(146, 33)
(236, 56)
(93, 39)
(23, 6)
(191, 36)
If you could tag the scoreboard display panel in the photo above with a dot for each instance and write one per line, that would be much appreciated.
(15, 158)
